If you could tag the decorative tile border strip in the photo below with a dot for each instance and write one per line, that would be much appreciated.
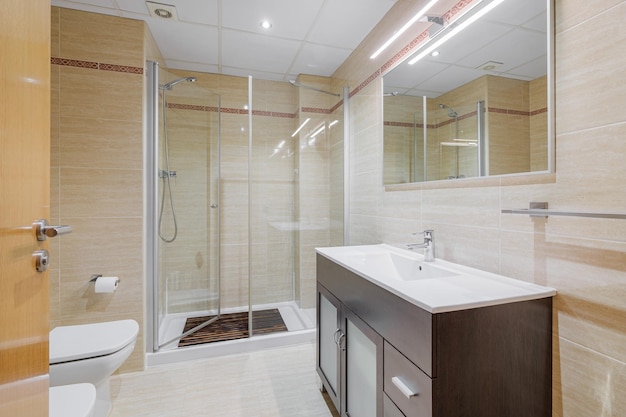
(95, 65)
(273, 114)
(315, 110)
(365, 83)
(517, 112)
(401, 124)
(336, 106)
(230, 110)
(468, 115)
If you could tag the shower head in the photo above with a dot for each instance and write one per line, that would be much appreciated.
(451, 111)
(168, 86)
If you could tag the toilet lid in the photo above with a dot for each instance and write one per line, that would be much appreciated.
(71, 343)
(76, 400)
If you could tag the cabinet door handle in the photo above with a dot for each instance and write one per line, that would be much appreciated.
(406, 391)
(342, 337)
(335, 335)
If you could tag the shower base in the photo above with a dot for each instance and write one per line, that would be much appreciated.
(300, 325)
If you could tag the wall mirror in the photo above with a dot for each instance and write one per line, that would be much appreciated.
(477, 103)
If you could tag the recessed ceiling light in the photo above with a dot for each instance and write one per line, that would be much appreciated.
(265, 24)
(435, 53)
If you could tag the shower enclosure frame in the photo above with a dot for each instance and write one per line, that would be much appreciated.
(151, 168)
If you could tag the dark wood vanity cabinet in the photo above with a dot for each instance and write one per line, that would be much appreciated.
(493, 361)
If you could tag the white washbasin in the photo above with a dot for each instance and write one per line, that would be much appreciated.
(398, 266)
(438, 286)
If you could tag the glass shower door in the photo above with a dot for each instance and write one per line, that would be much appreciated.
(187, 208)
(272, 219)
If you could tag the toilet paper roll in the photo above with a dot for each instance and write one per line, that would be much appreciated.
(106, 284)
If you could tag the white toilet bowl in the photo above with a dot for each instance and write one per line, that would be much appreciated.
(91, 353)
(76, 400)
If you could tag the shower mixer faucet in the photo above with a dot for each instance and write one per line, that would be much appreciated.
(428, 245)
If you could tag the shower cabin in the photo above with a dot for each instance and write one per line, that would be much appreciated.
(235, 208)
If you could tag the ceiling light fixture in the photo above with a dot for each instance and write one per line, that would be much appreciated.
(404, 28)
(265, 24)
(455, 29)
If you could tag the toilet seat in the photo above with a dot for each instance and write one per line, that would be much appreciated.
(76, 400)
(83, 341)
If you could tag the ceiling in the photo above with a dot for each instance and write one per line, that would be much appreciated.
(225, 36)
(513, 34)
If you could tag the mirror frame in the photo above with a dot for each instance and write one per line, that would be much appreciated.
(551, 132)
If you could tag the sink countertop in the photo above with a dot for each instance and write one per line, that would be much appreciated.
(463, 289)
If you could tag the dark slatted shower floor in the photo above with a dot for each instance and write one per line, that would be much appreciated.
(232, 326)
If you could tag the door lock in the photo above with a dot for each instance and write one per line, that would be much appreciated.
(41, 258)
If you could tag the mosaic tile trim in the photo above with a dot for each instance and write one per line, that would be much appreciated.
(230, 110)
(273, 114)
(517, 112)
(315, 110)
(95, 65)
(365, 83)
(336, 106)
(468, 115)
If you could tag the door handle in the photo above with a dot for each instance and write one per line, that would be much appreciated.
(43, 230)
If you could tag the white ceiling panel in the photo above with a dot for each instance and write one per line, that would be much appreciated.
(316, 59)
(198, 11)
(346, 23)
(518, 12)
(191, 66)
(513, 49)
(412, 75)
(260, 53)
(290, 19)
(134, 6)
(469, 41)
(449, 79)
(185, 42)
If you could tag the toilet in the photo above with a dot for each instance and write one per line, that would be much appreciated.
(76, 400)
(90, 353)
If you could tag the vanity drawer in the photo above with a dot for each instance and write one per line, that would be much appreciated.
(406, 385)
(390, 409)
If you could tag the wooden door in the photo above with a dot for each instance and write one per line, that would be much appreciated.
(24, 197)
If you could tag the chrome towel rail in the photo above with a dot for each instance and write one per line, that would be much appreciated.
(540, 209)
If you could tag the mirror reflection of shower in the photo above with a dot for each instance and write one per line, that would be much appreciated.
(166, 174)
(457, 143)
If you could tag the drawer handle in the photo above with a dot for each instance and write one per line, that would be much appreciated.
(406, 391)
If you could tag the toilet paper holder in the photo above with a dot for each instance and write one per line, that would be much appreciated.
(94, 277)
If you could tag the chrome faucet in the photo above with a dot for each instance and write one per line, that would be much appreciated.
(428, 244)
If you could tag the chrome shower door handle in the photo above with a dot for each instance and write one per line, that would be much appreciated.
(43, 230)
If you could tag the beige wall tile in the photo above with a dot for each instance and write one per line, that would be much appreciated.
(100, 143)
(110, 95)
(92, 193)
(583, 89)
(586, 383)
(101, 38)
